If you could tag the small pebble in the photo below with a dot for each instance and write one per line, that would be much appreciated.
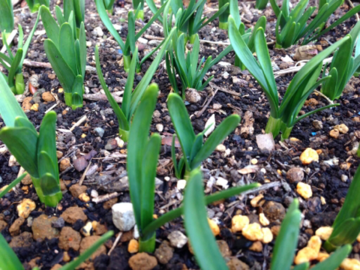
(253, 232)
(254, 202)
(25, 207)
(268, 235)
(308, 156)
(304, 190)
(263, 220)
(214, 227)
(324, 232)
(177, 239)
(99, 131)
(133, 246)
(86, 230)
(350, 264)
(239, 222)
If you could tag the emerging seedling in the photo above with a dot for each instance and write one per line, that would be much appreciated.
(194, 149)
(131, 98)
(66, 50)
(283, 116)
(286, 243)
(294, 24)
(201, 238)
(346, 226)
(187, 20)
(261, 4)
(247, 35)
(223, 18)
(343, 66)
(14, 63)
(35, 152)
(128, 47)
(34, 5)
(186, 65)
(6, 18)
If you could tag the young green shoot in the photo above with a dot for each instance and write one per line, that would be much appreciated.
(131, 98)
(194, 149)
(346, 226)
(223, 18)
(248, 35)
(188, 20)
(343, 66)
(292, 25)
(142, 159)
(283, 116)
(34, 5)
(197, 228)
(35, 152)
(9, 260)
(187, 67)
(6, 18)
(128, 48)
(66, 50)
(286, 244)
(14, 63)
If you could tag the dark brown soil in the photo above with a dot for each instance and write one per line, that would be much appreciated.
(326, 181)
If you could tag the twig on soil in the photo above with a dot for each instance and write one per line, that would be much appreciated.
(84, 174)
(199, 113)
(9, 40)
(52, 107)
(263, 187)
(115, 243)
(105, 198)
(78, 123)
(30, 63)
(224, 90)
(99, 96)
(321, 94)
(352, 6)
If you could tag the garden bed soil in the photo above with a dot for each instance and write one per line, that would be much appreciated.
(235, 92)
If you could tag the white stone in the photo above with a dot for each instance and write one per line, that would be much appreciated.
(181, 184)
(265, 142)
(177, 239)
(123, 216)
(143, 40)
(159, 127)
(222, 182)
(98, 32)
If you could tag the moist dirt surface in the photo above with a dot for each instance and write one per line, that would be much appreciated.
(98, 157)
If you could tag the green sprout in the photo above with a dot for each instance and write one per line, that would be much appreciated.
(128, 47)
(283, 116)
(186, 65)
(201, 238)
(35, 152)
(9, 260)
(34, 5)
(131, 98)
(223, 18)
(14, 63)
(261, 4)
(346, 226)
(343, 66)
(286, 243)
(66, 51)
(193, 148)
(187, 20)
(6, 18)
(294, 24)
(247, 35)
